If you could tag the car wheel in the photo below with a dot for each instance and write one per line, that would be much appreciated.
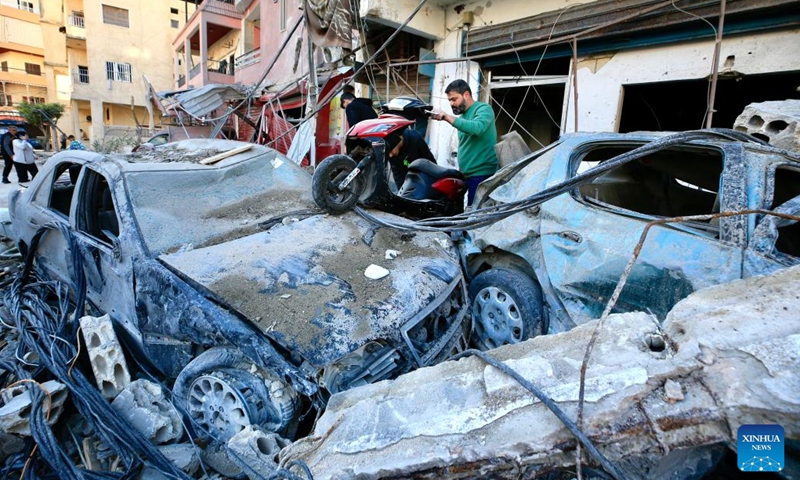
(325, 184)
(222, 392)
(507, 308)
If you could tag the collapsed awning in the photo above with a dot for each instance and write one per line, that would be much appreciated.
(199, 102)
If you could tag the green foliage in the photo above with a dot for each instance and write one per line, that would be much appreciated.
(114, 144)
(32, 112)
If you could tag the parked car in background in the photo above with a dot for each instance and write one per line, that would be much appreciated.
(227, 279)
(555, 265)
(36, 143)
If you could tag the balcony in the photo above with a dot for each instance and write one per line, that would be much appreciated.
(215, 72)
(22, 77)
(80, 76)
(30, 6)
(76, 21)
(249, 58)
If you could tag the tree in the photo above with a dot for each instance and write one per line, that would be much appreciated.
(42, 115)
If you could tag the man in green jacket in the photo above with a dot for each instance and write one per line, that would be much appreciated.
(477, 134)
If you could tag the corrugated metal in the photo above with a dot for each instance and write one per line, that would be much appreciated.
(204, 100)
(650, 16)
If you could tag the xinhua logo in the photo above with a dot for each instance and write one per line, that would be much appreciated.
(760, 448)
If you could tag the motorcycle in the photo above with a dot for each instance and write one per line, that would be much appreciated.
(366, 176)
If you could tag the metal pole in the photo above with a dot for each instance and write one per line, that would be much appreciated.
(312, 88)
(715, 67)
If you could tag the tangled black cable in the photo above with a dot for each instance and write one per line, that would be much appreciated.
(43, 330)
(486, 216)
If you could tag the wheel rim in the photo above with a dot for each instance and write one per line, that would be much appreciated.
(217, 404)
(497, 320)
(340, 197)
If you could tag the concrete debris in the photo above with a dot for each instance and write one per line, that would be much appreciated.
(256, 451)
(145, 407)
(105, 355)
(730, 358)
(775, 121)
(10, 444)
(375, 272)
(184, 455)
(217, 457)
(391, 254)
(16, 410)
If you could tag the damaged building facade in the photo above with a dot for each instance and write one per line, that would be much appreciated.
(547, 68)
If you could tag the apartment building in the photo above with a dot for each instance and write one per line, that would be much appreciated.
(22, 56)
(97, 54)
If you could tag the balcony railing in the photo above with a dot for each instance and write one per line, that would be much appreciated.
(194, 71)
(76, 21)
(181, 81)
(220, 66)
(24, 5)
(249, 58)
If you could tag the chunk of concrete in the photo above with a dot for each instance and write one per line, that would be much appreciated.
(775, 121)
(183, 455)
(256, 451)
(733, 349)
(16, 412)
(143, 404)
(105, 355)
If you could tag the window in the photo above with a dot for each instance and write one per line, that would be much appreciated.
(23, 5)
(669, 183)
(83, 74)
(8, 101)
(173, 23)
(33, 69)
(118, 72)
(173, 11)
(115, 16)
(4, 66)
(787, 187)
(97, 216)
(60, 198)
(33, 99)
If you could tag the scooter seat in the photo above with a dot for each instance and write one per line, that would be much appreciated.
(423, 165)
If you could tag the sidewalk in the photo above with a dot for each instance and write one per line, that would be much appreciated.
(7, 188)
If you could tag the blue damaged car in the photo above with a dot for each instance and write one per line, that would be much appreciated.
(555, 264)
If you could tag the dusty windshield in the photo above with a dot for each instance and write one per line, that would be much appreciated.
(195, 207)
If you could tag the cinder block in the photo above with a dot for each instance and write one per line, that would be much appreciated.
(16, 412)
(105, 354)
(256, 449)
(143, 404)
(775, 122)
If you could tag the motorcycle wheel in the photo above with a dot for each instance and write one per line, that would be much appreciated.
(325, 184)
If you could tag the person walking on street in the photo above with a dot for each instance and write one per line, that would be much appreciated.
(357, 109)
(24, 158)
(477, 134)
(7, 150)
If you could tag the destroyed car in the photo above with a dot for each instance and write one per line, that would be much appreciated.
(556, 264)
(217, 270)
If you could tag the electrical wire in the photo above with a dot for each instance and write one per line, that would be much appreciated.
(482, 217)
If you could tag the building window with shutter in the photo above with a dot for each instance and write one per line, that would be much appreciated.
(115, 16)
(33, 99)
(23, 5)
(33, 69)
(118, 72)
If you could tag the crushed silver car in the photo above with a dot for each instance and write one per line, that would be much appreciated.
(217, 270)
(555, 264)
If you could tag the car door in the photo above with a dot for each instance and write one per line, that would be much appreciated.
(588, 236)
(102, 240)
(50, 206)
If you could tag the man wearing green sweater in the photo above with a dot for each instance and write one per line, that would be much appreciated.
(477, 134)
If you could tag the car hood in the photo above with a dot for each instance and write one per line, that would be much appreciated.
(303, 282)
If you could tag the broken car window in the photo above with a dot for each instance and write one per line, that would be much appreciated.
(97, 216)
(668, 183)
(787, 187)
(58, 194)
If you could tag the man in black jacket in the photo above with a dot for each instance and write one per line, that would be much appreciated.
(403, 149)
(7, 150)
(357, 109)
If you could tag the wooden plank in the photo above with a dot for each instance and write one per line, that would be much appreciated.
(223, 155)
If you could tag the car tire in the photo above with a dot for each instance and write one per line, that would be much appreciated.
(507, 308)
(327, 176)
(222, 392)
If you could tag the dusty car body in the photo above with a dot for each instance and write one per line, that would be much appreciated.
(555, 265)
(226, 278)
